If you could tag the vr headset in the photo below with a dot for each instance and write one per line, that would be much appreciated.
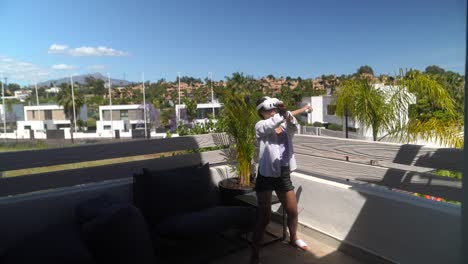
(269, 103)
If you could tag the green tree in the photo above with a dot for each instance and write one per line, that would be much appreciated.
(95, 85)
(286, 95)
(81, 124)
(202, 94)
(190, 80)
(175, 97)
(93, 102)
(156, 103)
(191, 108)
(366, 69)
(64, 98)
(12, 87)
(434, 69)
(444, 125)
(454, 84)
(384, 110)
(239, 82)
(166, 115)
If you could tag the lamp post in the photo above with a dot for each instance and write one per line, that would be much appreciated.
(3, 105)
(178, 91)
(144, 101)
(110, 105)
(346, 122)
(37, 102)
(73, 102)
(212, 96)
(178, 109)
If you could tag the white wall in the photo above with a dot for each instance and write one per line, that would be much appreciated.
(116, 125)
(317, 109)
(396, 226)
(35, 125)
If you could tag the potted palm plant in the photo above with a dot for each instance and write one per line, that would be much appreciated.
(237, 119)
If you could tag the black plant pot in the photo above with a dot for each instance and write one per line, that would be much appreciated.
(229, 188)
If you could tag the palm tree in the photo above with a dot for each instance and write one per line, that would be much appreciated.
(447, 128)
(387, 110)
(358, 99)
(64, 98)
(237, 119)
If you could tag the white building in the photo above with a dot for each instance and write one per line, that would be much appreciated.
(203, 111)
(53, 90)
(124, 118)
(43, 117)
(21, 95)
(324, 111)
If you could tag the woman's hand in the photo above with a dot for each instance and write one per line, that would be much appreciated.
(305, 109)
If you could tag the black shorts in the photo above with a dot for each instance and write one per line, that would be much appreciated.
(279, 184)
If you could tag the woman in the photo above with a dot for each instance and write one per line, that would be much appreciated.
(276, 161)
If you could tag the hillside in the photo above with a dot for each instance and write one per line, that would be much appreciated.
(81, 80)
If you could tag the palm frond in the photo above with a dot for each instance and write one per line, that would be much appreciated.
(238, 119)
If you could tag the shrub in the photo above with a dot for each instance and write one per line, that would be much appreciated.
(91, 123)
(317, 124)
(182, 130)
(335, 127)
(452, 174)
(302, 123)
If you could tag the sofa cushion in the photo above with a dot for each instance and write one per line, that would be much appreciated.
(115, 233)
(205, 222)
(95, 207)
(59, 244)
(167, 193)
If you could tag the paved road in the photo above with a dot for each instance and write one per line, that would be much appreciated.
(327, 159)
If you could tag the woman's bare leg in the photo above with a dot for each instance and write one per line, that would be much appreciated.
(263, 218)
(289, 202)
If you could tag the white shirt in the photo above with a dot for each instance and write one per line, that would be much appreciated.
(269, 163)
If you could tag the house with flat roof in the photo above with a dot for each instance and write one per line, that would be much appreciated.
(47, 117)
(204, 111)
(120, 117)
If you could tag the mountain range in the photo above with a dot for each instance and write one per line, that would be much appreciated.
(81, 79)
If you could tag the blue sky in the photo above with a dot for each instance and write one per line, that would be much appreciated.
(55, 38)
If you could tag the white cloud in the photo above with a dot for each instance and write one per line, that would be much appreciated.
(85, 51)
(56, 48)
(63, 67)
(97, 67)
(21, 71)
(99, 51)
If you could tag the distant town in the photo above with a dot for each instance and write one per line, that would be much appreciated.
(103, 105)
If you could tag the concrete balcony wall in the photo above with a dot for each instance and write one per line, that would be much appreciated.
(398, 227)
(395, 226)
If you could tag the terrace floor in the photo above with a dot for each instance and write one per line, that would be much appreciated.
(281, 252)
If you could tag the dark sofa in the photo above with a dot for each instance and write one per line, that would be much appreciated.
(183, 208)
(173, 214)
